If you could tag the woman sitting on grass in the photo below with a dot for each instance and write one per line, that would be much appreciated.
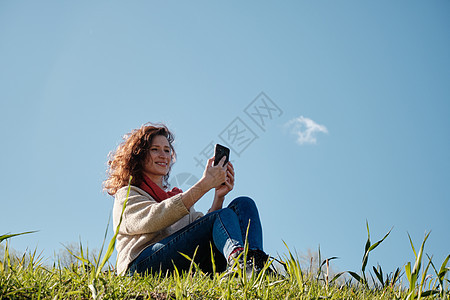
(159, 224)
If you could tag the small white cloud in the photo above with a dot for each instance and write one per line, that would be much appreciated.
(305, 130)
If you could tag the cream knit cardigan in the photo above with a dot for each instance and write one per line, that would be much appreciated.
(145, 222)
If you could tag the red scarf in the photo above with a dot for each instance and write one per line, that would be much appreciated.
(156, 192)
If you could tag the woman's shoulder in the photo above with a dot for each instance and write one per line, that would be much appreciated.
(134, 191)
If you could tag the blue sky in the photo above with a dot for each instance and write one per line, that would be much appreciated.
(365, 83)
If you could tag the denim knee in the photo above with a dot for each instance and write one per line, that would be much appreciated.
(225, 213)
(245, 203)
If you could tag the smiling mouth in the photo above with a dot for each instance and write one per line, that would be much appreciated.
(162, 164)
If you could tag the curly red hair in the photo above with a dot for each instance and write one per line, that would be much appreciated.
(129, 157)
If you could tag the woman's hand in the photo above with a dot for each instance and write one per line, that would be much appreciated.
(214, 176)
(223, 190)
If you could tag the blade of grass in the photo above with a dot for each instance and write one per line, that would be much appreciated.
(97, 260)
(413, 275)
(366, 248)
(112, 243)
(337, 276)
(7, 236)
(441, 274)
(356, 276)
(443, 270)
(379, 274)
(294, 270)
(395, 277)
(424, 275)
(371, 248)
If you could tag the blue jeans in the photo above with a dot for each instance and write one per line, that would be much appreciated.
(219, 232)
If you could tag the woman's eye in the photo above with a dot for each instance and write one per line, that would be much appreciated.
(153, 149)
(167, 151)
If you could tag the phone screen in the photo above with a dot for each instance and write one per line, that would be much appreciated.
(219, 152)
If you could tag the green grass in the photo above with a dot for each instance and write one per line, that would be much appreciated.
(26, 277)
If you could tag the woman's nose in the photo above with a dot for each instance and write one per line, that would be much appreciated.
(163, 153)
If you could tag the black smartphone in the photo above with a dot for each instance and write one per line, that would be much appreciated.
(219, 152)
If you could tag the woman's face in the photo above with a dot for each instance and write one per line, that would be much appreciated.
(159, 158)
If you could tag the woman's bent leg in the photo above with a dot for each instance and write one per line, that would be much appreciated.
(219, 230)
(247, 212)
(250, 225)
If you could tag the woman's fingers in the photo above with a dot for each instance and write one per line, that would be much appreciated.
(230, 175)
(229, 185)
(230, 168)
(222, 161)
(216, 175)
(230, 172)
(230, 182)
(210, 162)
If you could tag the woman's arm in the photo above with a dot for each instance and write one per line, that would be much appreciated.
(143, 214)
(213, 176)
(217, 203)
